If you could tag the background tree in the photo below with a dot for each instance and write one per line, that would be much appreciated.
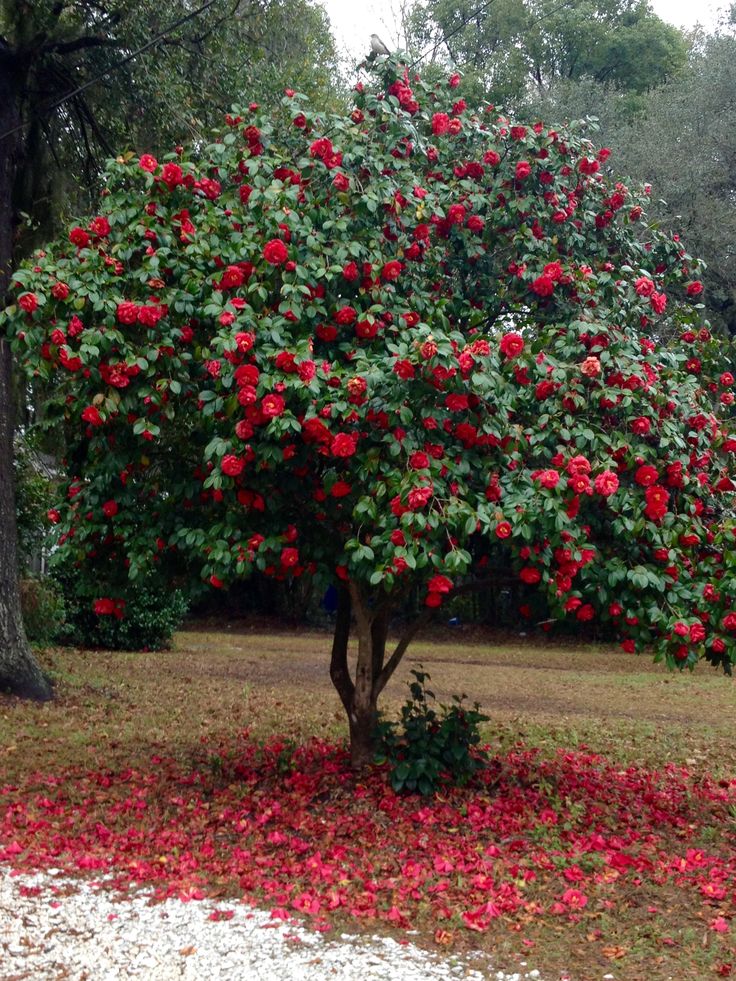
(680, 138)
(517, 46)
(54, 133)
(397, 348)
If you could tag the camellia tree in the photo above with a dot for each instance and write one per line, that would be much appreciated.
(404, 348)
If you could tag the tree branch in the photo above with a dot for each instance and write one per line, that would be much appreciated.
(87, 41)
(339, 672)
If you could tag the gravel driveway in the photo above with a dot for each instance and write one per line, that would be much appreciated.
(51, 929)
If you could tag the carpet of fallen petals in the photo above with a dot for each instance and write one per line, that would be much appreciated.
(570, 838)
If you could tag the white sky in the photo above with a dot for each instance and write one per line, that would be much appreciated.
(353, 21)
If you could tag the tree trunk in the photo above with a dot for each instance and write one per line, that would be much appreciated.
(19, 671)
(359, 695)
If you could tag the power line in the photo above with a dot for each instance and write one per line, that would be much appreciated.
(118, 64)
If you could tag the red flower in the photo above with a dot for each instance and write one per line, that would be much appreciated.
(644, 286)
(346, 316)
(543, 286)
(641, 426)
(92, 416)
(503, 529)
(439, 584)
(523, 169)
(343, 445)
(657, 499)
(419, 461)
(606, 483)
(275, 252)
(695, 288)
(104, 607)
(100, 227)
(548, 478)
(419, 497)
(530, 575)
(172, 175)
(148, 163)
(440, 123)
(53, 516)
(391, 270)
(272, 406)
(511, 345)
(127, 312)
(78, 237)
(646, 475)
(28, 302)
(289, 557)
(232, 465)
(110, 509)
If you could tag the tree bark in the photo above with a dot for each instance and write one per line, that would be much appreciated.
(359, 695)
(19, 670)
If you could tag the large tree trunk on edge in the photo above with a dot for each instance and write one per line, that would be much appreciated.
(359, 696)
(19, 671)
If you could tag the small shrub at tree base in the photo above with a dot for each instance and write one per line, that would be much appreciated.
(152, 612)
(42, 604)
(429, 748)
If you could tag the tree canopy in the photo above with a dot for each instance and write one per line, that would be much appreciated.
(401, 347)
(515, 46)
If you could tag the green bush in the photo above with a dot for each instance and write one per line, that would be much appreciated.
(428, 748)
(152, 612)
(42, 604)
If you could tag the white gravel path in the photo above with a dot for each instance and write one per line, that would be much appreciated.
(79, 932)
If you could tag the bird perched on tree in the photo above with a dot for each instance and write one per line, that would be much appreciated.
(377, 46)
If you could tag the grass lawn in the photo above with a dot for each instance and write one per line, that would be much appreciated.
(600, 840)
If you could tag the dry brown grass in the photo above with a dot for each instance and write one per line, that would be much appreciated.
(113, 706)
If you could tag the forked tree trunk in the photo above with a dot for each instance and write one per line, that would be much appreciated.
(359, 695)
(19, 671)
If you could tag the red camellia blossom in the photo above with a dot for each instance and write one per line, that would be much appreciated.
(275, 252)
(646, 475)
(53, 516)
(92, 415)
(503, 529)
(289, 557)
(606, 483)
(523, 169)
(272, 406)
(28, 302)
(127, 312)
(391, 270)
(78, 237)
(104, 606)
(346, 316)
(694, 288)
(110, 509)
(148, 163)
(511, 345)
(543, 286)
(548, 478)
(232, 465)
(641, 426)
(439, 584)
(419, 497)
(530, 575)
(343, 445)
(657, 502)
(440, 123)
(419, 461)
